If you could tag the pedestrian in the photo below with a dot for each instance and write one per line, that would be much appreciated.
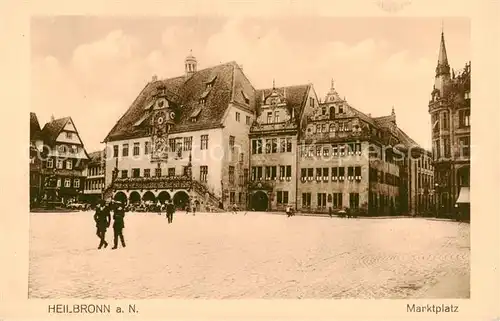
(170, 212)
(158, 207)
(118, 224)
(193, 206)
(288, 211)
(330, 211)
(102, 219)
(235, 209)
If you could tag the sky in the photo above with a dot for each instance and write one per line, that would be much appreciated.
(92, 68)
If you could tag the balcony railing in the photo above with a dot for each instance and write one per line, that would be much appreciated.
(273, 126)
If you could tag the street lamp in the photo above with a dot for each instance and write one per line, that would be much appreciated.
(436, 186)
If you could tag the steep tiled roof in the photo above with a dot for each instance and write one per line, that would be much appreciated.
(35, 131)
(362, 116)
(52, 129)
(405, 139)
(96, 157)
(185, 95)
(295, 96)
(384, 120)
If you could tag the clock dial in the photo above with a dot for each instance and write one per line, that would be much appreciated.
(172, 115)
(159, 119)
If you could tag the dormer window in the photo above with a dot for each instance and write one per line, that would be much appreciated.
(269, 117)
(209, 85)
(202, 101)
(195, 114)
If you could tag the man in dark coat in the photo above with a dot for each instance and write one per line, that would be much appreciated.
(170, 211)
(118, 224)
(102, 220)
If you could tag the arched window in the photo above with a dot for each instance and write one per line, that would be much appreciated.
(332, 127)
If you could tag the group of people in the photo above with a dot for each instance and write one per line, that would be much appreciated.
(102, 218)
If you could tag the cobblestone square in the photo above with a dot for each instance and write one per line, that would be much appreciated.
(258, 255)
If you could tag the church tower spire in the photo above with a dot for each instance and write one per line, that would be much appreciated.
(442, 68)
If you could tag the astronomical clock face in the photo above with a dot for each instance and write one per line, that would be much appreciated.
(159, 119)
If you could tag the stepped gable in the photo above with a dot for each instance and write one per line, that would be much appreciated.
(295, 96)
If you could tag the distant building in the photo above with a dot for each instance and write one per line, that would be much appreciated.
(63, 162)
(94, 177)
(36, 142)
(449, 108)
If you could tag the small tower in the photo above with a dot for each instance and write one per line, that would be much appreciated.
(190, 64)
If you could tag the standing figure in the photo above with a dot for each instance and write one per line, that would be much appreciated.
(235, 209)
(330, 211)
(158, 207)
(193, 207)
(288, 211)
(170, 212)
(118, 224)
(102, 219)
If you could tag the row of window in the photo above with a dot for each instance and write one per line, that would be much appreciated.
(94, 171)
(337, 173)
(335, 199)
(74, 149)
(136, 173)
(60, 164)
(273, 145)
(67, 182)
(384, 178)
(444, 119)
(94, 184)
(334, 150)
(232, 198)
(271, 172)
(174, 144)
(342, 127)
(463, 147)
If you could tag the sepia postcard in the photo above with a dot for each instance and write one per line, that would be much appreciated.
(251, 160)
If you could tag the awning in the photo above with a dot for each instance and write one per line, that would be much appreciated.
(464, 196)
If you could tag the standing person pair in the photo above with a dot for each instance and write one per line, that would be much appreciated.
(102, 217)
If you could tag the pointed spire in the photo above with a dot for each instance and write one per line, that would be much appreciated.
(274, 87)
(442, 58)
(392, 112)
(333, 83)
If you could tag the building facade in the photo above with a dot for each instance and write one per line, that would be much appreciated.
(58, 158)
(94, 177)
(449, 108)
(184, 139)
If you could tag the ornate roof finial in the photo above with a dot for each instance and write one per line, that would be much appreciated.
(274, 87)
(392, 112)
(333, 83)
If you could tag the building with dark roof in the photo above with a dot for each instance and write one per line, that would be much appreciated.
(185, 139)
(36, 143)
(449, 108)
(60, 158)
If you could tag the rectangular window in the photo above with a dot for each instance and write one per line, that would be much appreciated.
(326, 151)
(357, 148)
(318, 128)
(323, 111)
(254, 173)
(350, 173)
(245, 176)
(289, 171)
(188, 143)
(58, 182)
(335, 150)
(259, 173)
(303, 173)
(231, 197)
(76, 183)
(306, 199)
(279, 197)
(240, 197)
(323, 128)
(231, 174)
(342, 150)
(237, 116)
(171, 144)
(464, 143)
(59, 164)
(242, 157)
(147, 148)
(124, 173)
(268, 146)
(147, 172)
(204, 142)
(69, 164)
(446, 146)
(353, 200)
(115, 151)
(335, 173)
(276, 117)
(445, 120)
(67, 182)
(282, 172)
(203, 173)
(69, 135)
(310, 174)
(170, 171)
(282, 145)
(125, 150)
(357, 173)
(341, 173)
(337, 200)
(464, 117)
(288, 145)
(326, 171)
(257, 146)
(231, 143)
(321, 200)
(318, 151)
(269, 117)
(158, 172)
(136, 172)
(274, 146)
(319, 171)
(273, 172)
(247, 120)
(135, 151)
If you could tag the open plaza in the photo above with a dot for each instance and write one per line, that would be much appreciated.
(252, 256)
